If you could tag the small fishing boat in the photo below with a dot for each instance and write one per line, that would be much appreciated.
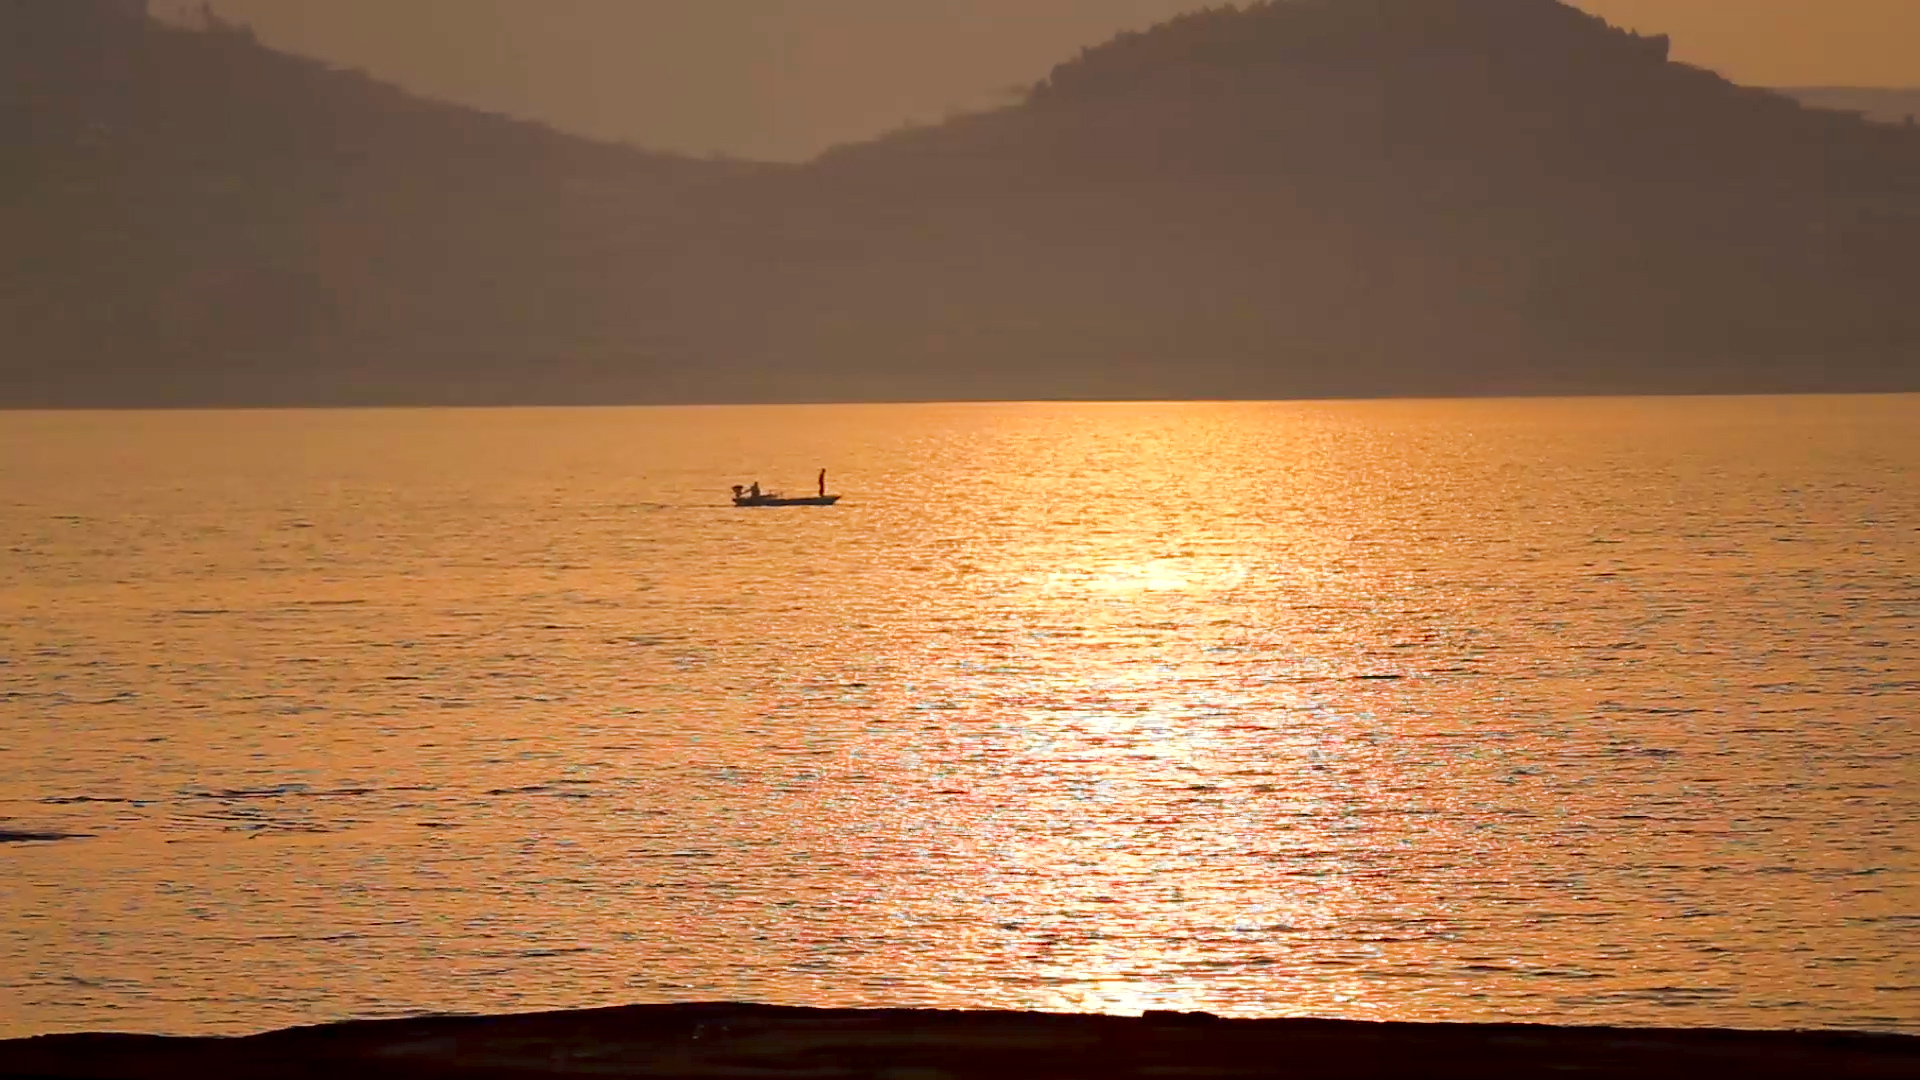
(753, 496)
(773, 498)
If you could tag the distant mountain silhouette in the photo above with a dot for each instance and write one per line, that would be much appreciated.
(1317, 197)
(1887, 105)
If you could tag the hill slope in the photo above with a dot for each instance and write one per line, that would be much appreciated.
(1347, 197)
(1362, 196)
(1886, 105)
(194, 218)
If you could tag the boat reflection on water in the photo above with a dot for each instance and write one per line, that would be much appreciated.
(751, 495)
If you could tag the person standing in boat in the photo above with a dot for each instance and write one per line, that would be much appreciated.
(755, 489)
(823, 483)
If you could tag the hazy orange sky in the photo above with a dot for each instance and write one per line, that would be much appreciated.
(783, 78)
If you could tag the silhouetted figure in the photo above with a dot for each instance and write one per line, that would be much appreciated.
(823, 483)
(755, 489)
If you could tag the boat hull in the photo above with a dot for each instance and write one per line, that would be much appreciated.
(765, 500)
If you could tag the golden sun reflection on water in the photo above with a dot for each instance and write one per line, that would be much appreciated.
(1120, 692)
(1157, 575)
(1577, 711)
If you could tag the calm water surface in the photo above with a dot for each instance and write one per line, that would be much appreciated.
(1595, 711)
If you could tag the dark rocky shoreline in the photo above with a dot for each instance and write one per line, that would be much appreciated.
(751, 1041)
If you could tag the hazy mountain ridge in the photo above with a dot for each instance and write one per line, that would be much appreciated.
(197, 218)
(1886, 105)
(1304, 198)
(1409, 196)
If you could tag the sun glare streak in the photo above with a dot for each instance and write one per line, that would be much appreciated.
(1114, 702)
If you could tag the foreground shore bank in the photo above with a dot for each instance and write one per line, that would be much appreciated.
(717, 1040)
